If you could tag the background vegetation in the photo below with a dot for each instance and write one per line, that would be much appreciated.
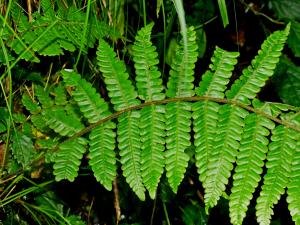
(37, 43)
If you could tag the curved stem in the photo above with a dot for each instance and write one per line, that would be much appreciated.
(184, 99)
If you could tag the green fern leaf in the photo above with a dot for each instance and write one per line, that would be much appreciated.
(228, 134)
(130, 151)
(102, 156)
(205, 113)
(43, 36)
(19, 17)
(178, 115)
(214, 81)
(73, 110)
(152, 127)
(93, 107)
(23, 25)
(250, 160)
(61, 123)
(205, 117)
(47, 143)
(43, 97)
(23, 51)
(262, 67)
(5, 56)
(47, 8)
(119, 87)
(178, 126)
(67, 160)
(30, 105)
(181, 79)
(123, 95)
(273, 108)
(148, 80)
(279, 161)
(22, 148)
(293, 198)
(152, 123)
(60, 95)
(40, 122)
(73, 25)
(46, 35)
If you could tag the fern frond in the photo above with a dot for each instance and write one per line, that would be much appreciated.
(61, 123)
(73, 110)
(30, 105)
(250, 160)
(16, 43)
(93, 107)
(47, 143)
(152, 128)
(43, 96)
(205, 117)
(40, 122)
(293, 187)
(22, 148)
(120, 88)
(181, 79)
(178, 115)
(22, 50)
(262, 67)
(73, 27)
(102, 156)
(47, 8)
(279, 161)
(214, 81)
(152, 123)
(60, 95)
(130, 151)
(68, 158)
(148, 80)
(42, 36)
(178, 126)
(205, 114)
(228, 134)
(19, 18)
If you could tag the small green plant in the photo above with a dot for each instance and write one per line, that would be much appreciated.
(147, 127)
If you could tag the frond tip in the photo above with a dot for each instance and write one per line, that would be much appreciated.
(120, 88)
(145, 59)
(261, 69)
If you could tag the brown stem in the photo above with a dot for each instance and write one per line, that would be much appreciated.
(183, 99)
(116, 200)
(29, 11)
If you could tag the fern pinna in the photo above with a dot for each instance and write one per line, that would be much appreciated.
(148, 128)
